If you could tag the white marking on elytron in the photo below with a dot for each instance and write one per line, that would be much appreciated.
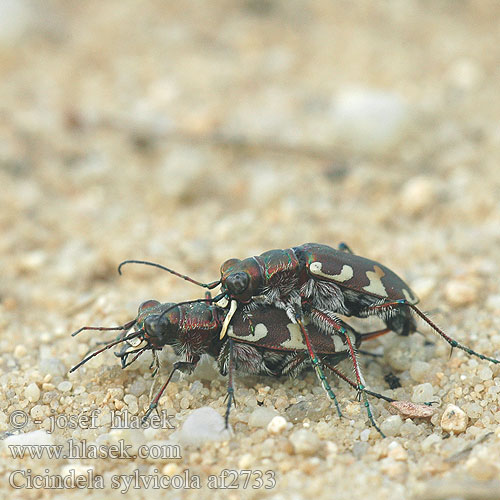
(409, 297)
(296, 340)
(260, 331)
(338, 344)
(228, 318)
(376, 286)
(345, 274)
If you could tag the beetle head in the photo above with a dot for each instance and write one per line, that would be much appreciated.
(241, 279)
(160, 323)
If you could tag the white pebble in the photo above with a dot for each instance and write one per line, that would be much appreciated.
(138, 387)
(417, 195)
(305, 442)
(39, 437)
(65, 386)
(261, 416)
(485, 373)
(454, 420)
(32, 392)
(368, 119)
(131, 402)
(202, 425)
(277, 425)
(20, 351)
(38, 412)
(364, 435)
(460, 293)
(419, 370)
(430, 441)
(53, 366)
(131, 437)
(397, 452)
(391, 425)
(423, 393)
(492, 303)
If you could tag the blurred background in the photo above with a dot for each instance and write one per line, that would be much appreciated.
(191, 132)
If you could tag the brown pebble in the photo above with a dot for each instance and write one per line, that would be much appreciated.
(407, 409)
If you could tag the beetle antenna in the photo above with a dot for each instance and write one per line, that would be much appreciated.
(126, 326)
(210, 286)
(448, 339)
(107, 346)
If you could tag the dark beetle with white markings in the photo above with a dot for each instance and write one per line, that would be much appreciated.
(272, 346)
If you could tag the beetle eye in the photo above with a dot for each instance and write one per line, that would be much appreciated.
(237, 283)
(151, 326)
(148, 304)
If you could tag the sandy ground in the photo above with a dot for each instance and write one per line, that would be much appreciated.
(191, 132)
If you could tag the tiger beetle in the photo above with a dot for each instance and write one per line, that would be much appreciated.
(325, 281)
(273, 346)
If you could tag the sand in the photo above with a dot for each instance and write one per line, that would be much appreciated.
(188, 133)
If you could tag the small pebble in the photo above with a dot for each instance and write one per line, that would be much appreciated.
(485, 373)
(397, 452)
(359, 448)
(481, 469)
(277, 425)
(261, 416)
(408, 409)
(196, 387)
(492, 303)
(364, 435)
(368, 119)
(454, 420)
(39, 437)
(65, 386)
(305, 442)
(423, 286)
(131, 401)
(20, 351)
(138, 387)
(419, 371)
(391, 425)
(399, 355)
(423, 393)
(430, 441)
(246, 461)
(202, 425)
(460, 293)
(418, 194)
(32, 392)
(38, 412)
(53, 366)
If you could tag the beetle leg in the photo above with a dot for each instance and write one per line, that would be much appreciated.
(292, 366)
(453, 343)
(317, 365)
(230, 388)
(343, 247)
(179, 365)
(357, 370)
(353, 384)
